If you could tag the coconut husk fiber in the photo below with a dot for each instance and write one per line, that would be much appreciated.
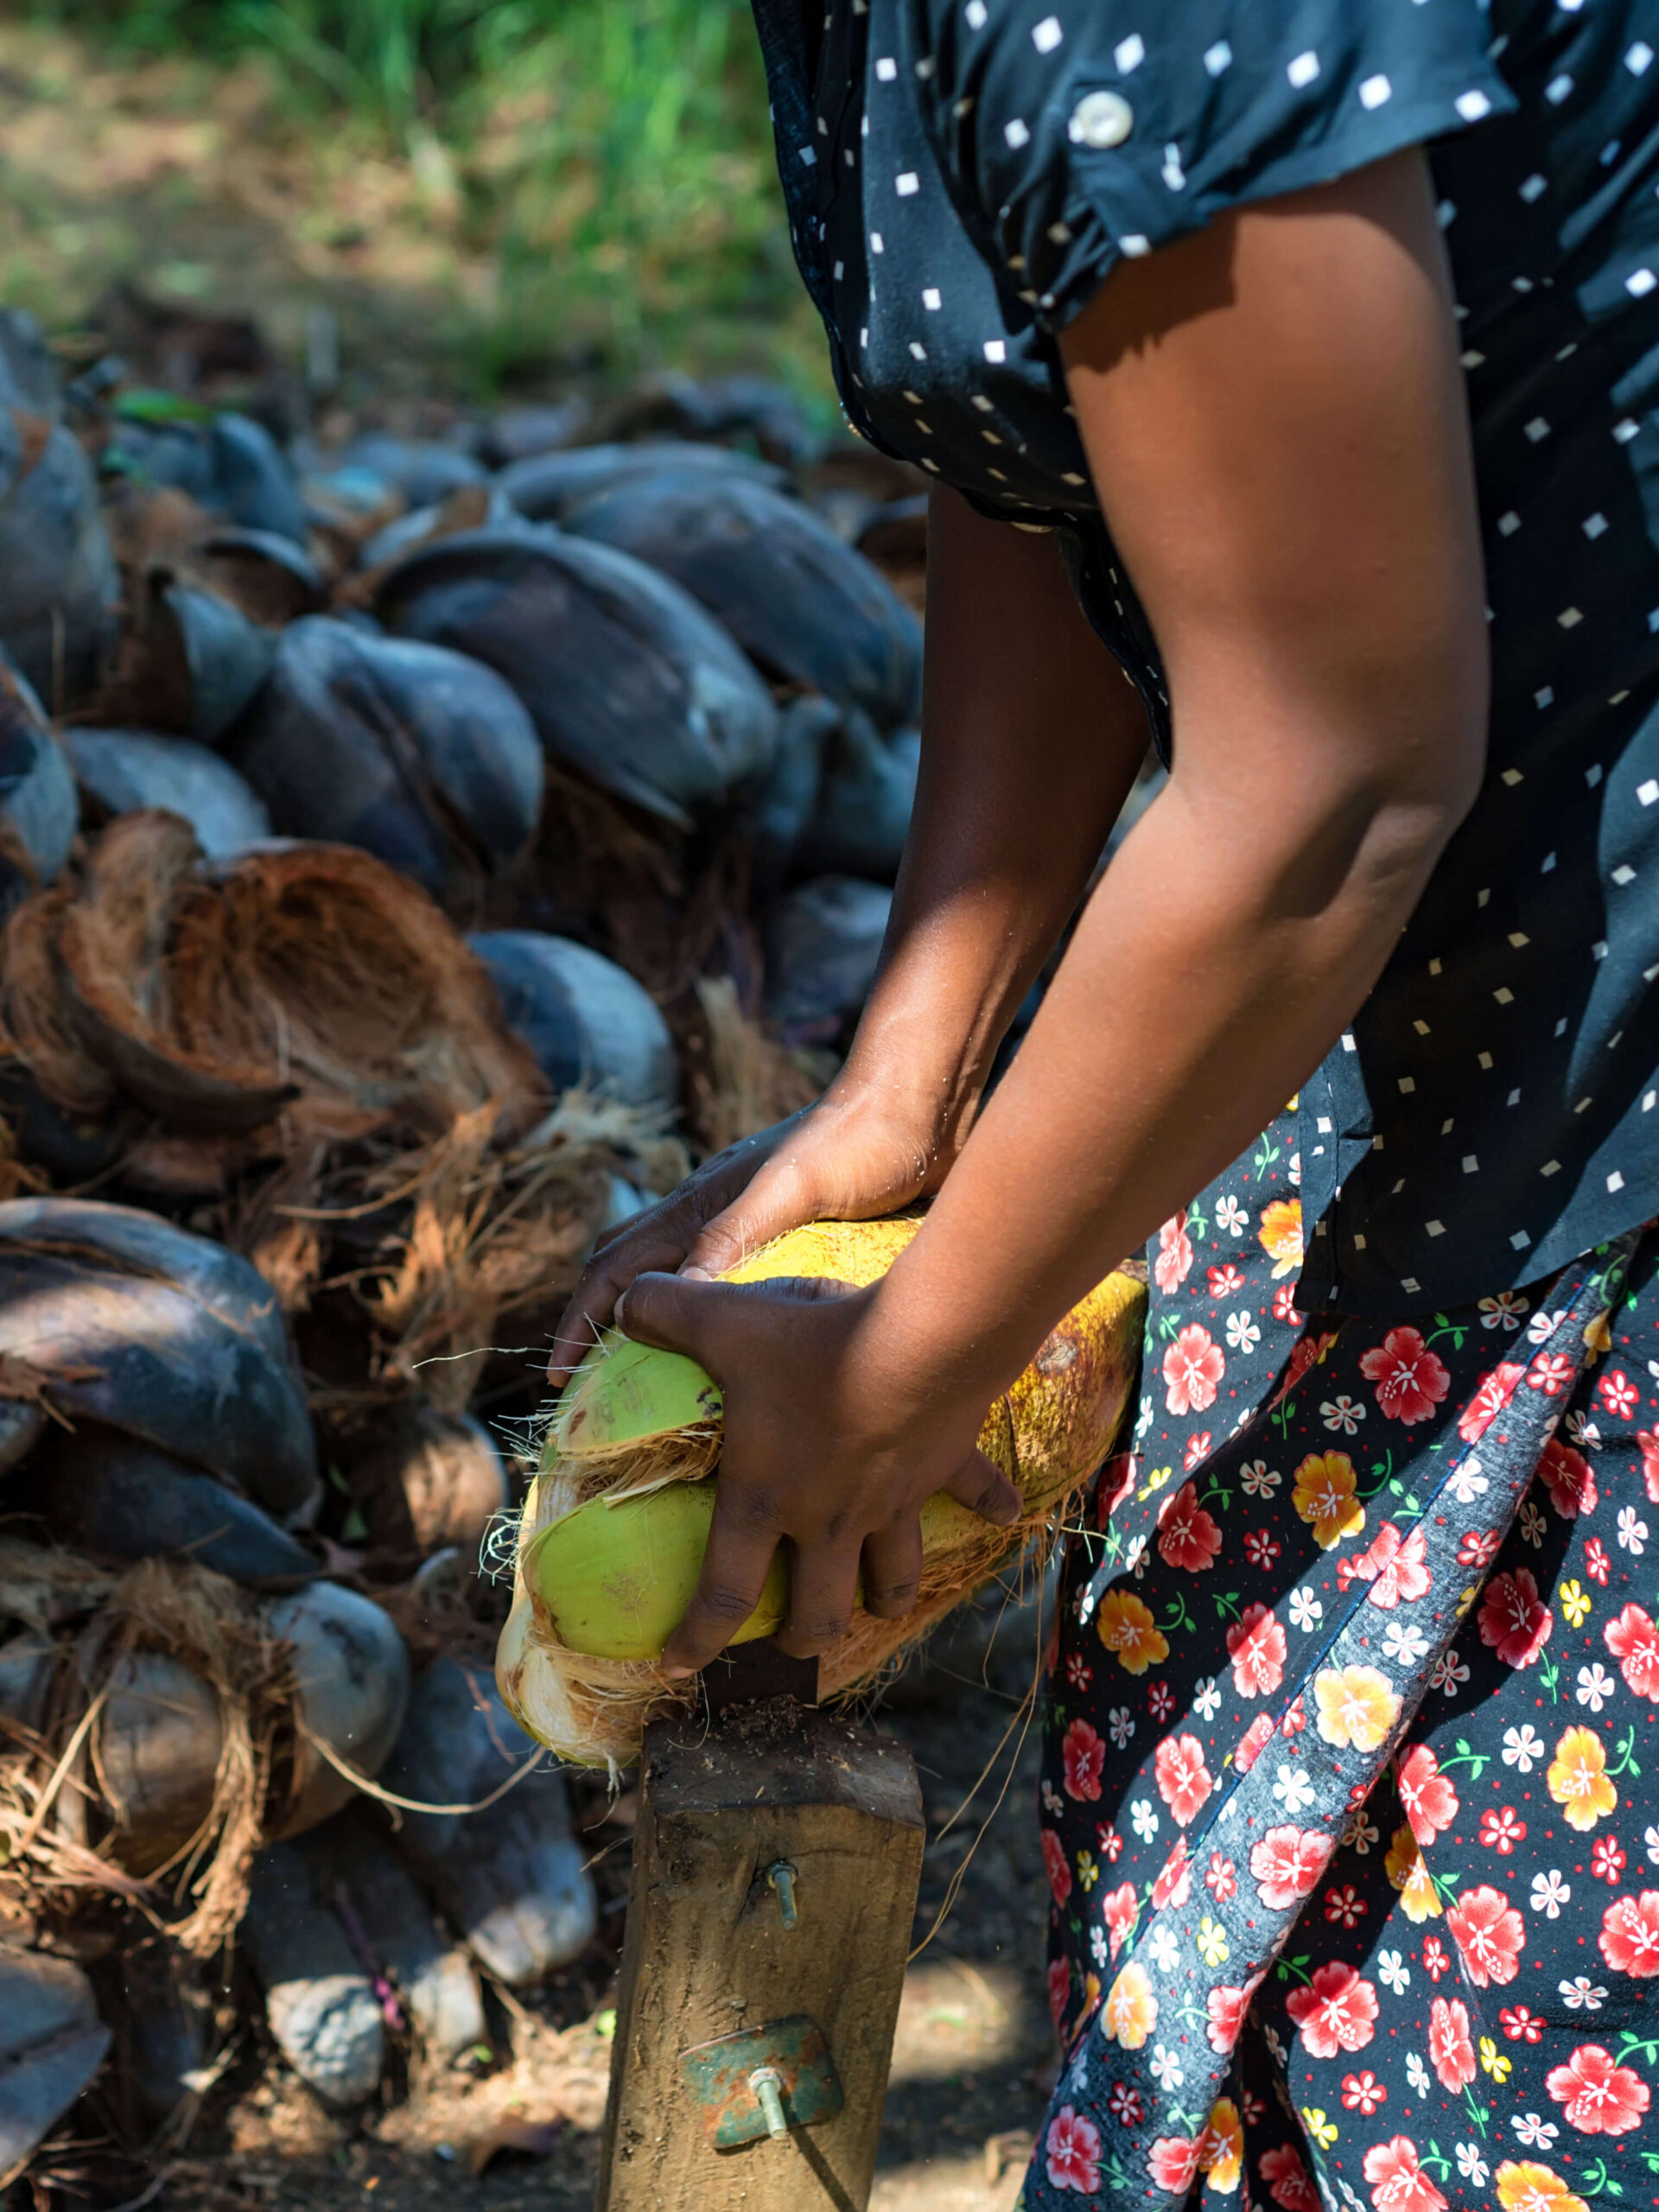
(1047, 1434)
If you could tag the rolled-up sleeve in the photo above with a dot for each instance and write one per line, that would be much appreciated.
(1077, 133)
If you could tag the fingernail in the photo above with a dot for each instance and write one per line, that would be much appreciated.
(678, 1673)
(696, 1274)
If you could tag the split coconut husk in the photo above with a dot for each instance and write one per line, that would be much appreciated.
(615, 1530)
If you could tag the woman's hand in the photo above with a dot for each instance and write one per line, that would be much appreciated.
(834, 1438)
(840, 1160)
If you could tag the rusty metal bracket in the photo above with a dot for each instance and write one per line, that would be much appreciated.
(762, 2081)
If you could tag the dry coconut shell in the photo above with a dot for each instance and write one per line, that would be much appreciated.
(1048, 1434)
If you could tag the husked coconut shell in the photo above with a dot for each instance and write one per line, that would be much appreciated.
(28, 1663)
(52, 2043)
(58, 585)
(231, 465)
(587, 1020)
(269, 576)
(424, 756)
(522, 433)
(626, 678)
(122, 769)
(475, 507)
(115, 1315)
(804, 605)
(38, 812)
(190, 664)
(159, 1739)
(822, 952)
(322, 2005)
(431, 1480)
(677, 405)
(547, 487)
(352, 1675)
(510, 1880)
(356, 1870)
(425, 470)
(861, 814)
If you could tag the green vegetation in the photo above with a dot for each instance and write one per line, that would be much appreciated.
(609, 160)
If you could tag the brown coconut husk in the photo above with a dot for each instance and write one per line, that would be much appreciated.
(741, 1081)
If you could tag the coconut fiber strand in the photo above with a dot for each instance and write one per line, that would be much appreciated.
(632, 1423)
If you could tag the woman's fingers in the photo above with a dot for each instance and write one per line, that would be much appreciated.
(892, 1569)
(742, 1539)
(649, 1246)
(823, 1588)
(982, 1487)
(780, 1198)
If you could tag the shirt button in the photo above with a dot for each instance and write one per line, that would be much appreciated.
(1102, 119)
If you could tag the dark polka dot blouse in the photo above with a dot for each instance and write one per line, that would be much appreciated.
(963, 174)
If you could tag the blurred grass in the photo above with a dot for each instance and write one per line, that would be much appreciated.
(606, 162)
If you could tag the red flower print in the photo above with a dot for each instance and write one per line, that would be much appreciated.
(1286, 1864)
(1227, 2008)
(1479, 1549)
(1197, 1447)
(1172, 2162)
(1160, 1702)
(1183, 1780)
(1083, 1754)
(1596, 2097)
(1502, 1830)
(1552, 1372)
(1187, 1536)
(1284, 1305)
(1363, 2093)
(1629, 1935)
(1430, 1800)
(1648, 1444)
(1193, 1367)
(1393, 1565)
(1449, 2051)
(1059, 1870)
(1336, 2012)
(1345, 1906)
(1492, 1394)
(1259, 1732)
(1295, 1718)
(1521, 2025)
(1116, 1481)
(1123, 2102)
(1596, 1561)
(1110, 1843)
(1221, 1878)
(1436, 1960)
(1079, 1672)
(1226, 1282)
(1256, 1644)
(1059, 1993)
(1398, 2183)
(1488, 1930)
(1514, 1620)
(1120, 1910)
(1607, 1861)
(1174, 1259)
(1569, 1479)
(1174, 1884)
(1618, 1394)
(1072, 2152)
(1261, 1547)
(1410, 1379)
(1289, 2183)
(1634, 1642)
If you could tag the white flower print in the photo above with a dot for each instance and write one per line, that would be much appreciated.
(1166, 2067)
(1342, 1413)
(1632, 1532)
(1143, 1820)
(1394, 1972)
(1535, 2131)
(1596, 1686)
(1271, 2036)
(1143, 1419)
(1134, 1556)
(1405, 1643)
(1416, 2074)
(1305, 1611)
(1360, 1833)
(1098, 1946)
(1053, 1803)
(1077, 2080)
(1258, 1479)
(1472, 2165)
(1542, 1325)
(1293, 1789)
(1294, 1170)
(1523, 1748)
(1449, 1673)
(1651, 1838)
(1088, 1597)
(1243, 1333)
(1583, 1431)
(1505, 1311)
(1467, 1483)
(1164, 1947)
(1119, 1724)
(1532, 1522)
(1246, 1416)
(1549, 1894)
(1206, 1700)
(1231, 1217)
(1581, 1994)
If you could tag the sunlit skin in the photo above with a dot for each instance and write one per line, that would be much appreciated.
(1274, 413)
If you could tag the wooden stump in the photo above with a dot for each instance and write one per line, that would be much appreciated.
(726, 1807)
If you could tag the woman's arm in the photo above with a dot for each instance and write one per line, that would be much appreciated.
(1031, 738)
(1273, 411)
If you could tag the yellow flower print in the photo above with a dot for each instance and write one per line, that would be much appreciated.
(1404, 1867)
(1577, 1779)
(1322, 2130)
(1155, 1480)
(1280, 1235)
(1090, 1994)
(1325, 1496)
(1575, 1603)
(1221, 2147)
(1088, 1869)
(1524, 2187)
(1356, 1706)
(1493, 2060)
(1131, 2013)
(1212, 1942)
(1126, 1629)
(1597, 1337)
